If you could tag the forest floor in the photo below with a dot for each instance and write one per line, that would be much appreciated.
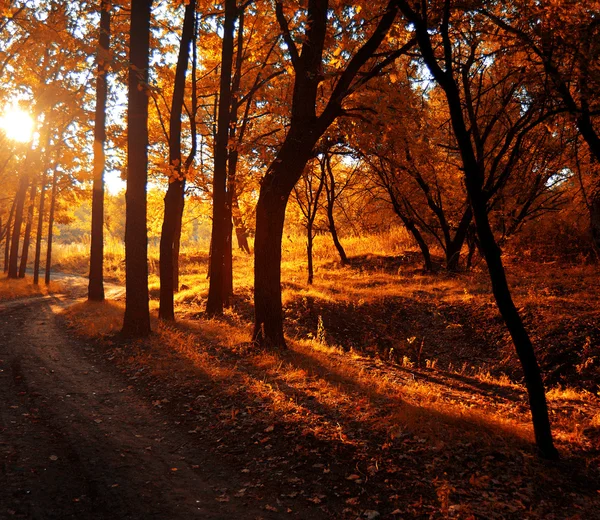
(399, 397)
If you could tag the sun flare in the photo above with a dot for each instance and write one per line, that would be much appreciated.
(17, 124)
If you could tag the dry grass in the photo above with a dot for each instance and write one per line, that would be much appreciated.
(430, 323)
(384, 400)
(95, 319)
(74, 258)
(445, 386)
(11, 289)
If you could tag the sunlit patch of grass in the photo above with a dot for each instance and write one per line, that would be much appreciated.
(559, 393)
(415, 403)
(74, 258)
(186, 344)
(11, 289)
(499, 380)
(95, 319)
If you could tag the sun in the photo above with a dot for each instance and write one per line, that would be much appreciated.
(17, 124)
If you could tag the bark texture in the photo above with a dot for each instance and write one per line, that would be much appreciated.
(28, 226)
(40, 231)
(136, 322)
(13, 268)
(174, 197)
(216, 288)
(96, 277)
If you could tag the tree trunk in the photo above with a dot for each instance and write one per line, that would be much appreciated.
(7, 233)
(96, 277)
(411, 227)
(51, 225)
(40, 231)
(334, 236)
(454, 246)
(228, 259)
(521, 340)
(275, 190)
(309, 253)
(241, 232)
(232, 163)
(472, 243)
(595, 218)
(327, 172)
(474, 180)
(190, 158)
(177, 240)
(228, 254)
(214, 305)
(27, 236)
(506, 306)
(173, 202)
(414, 231)
(136, 322)
(13, 269)
(270, 217)
(175, 191)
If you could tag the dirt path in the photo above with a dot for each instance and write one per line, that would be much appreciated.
(77, 442)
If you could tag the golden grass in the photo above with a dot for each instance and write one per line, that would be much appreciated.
(560, 393)
(74, 258)
(95, 319)
(341, 382)
(11, 289)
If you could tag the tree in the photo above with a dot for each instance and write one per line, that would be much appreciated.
(333, 191)
(175, 192)
(29, 224)
(305, 130)
(40, 229)
(307, 193)
(51, 224)
(96, 277)
(136, 322)
(451, 71)
(216, 296)
(6, 233)
(18, 221)
(562, 39)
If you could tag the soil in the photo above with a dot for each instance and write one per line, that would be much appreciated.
(88, 431)
(77, 442)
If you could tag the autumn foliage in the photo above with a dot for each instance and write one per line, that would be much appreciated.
(249, 134)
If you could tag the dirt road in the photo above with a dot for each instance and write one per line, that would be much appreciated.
(77, 442)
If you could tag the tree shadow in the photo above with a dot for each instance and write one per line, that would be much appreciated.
(331, 417)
